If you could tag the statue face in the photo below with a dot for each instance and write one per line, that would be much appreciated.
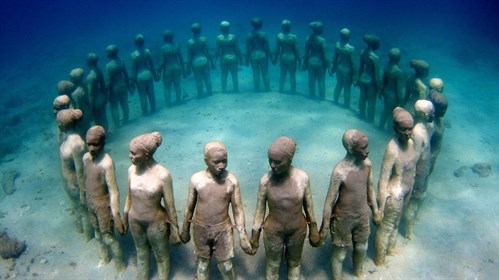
(403, 131)
(138, 157)
(94, 145)
(361, 150)
(279, 163)
(216, 160)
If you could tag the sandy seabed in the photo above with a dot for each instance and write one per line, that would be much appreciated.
(456, 236)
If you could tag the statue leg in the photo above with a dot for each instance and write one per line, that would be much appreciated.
(225, 72)
(274, 246)
(338, 88)
(167, 87)
(142, 89)
(158, 234)
(255, 67)
(227, 270)
(362, 101)
(143, 250)
(199, 80)
(387, 229)
(176, 84)
(124, 105)
(115, 115)
(359, 257)
(203, 269)
(282, 77)
(207, 80)
(371, 103)
(311, 82)
(235, 79)
(321, 78)
(150, 95)
(265, 74)
(337, 258)
(110, 242)
(103, 249)
(294, 250)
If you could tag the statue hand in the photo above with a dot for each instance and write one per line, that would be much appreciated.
(313, 235)
(185, 236)
(118, 224)
(377, 217)
(124, 222)
(246, 246)
(255, 240)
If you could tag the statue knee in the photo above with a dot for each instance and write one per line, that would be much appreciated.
(203, 265)
(225, 266)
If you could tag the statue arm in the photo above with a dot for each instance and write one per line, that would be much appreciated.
(259, 218)
(128, 205)
(189, 212)
(331, 198)
(181, 62)
(114, 195)
(371, 196)
(238, 213)
(169, 201)
(313, 232)
(77, 154)
(386, 172)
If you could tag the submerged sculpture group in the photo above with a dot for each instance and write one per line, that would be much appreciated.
(149, 212)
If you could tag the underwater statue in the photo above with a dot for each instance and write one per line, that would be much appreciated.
(171, 68)
(61, 102)
(199, 60)
(103, 198)
(436, 84)
(118, 85)
(80, 100)
(286, 191)
(228, 51)
(440, 103)
(395, 184)
(344, 66)
(71, 151)
(315, 60)
(143, 75)
(348, 201)
(97, 91)
(369, 78)
(288, 53)
(415, 89)
(421, 135)
(392, 86)
(211, 192)
(152, 224)
(258, 54)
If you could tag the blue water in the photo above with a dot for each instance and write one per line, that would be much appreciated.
(41, 41)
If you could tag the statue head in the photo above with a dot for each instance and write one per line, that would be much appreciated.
(424, 110)
(436, 84)
(65, 87)
(421, 67)
(256, 22)
(68, 118)
(372, 41)
(356, 143)
(143, 147)
(95, 139)
(92, 59)
(225, 26)
(196, 28)
(439, 101)
(61, 102)
(112, 51)
(215, 157)
(286, 25)
(139, 40)
(281, 154)
(76, 75)
(168, 35)
(403, 124)
(394, 55)
(345, 34)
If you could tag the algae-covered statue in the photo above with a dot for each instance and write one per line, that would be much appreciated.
(286, 191)
(118, 85)
(80, 100)
(395, 184)
(199, 60)
(415, 89)
(211, 192)
(440, 102)
(344, 66)
(142, 75)
(348, 201)
(436, 84)
(103, 198)
(392, 86)
(61, 102)
(369, 77)
(230, 55)
(258, 54)
(152, 224)
(97, 91)
(71, 150)
(315, 59)
(288, 53)
(421, 135)
(171, 68)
